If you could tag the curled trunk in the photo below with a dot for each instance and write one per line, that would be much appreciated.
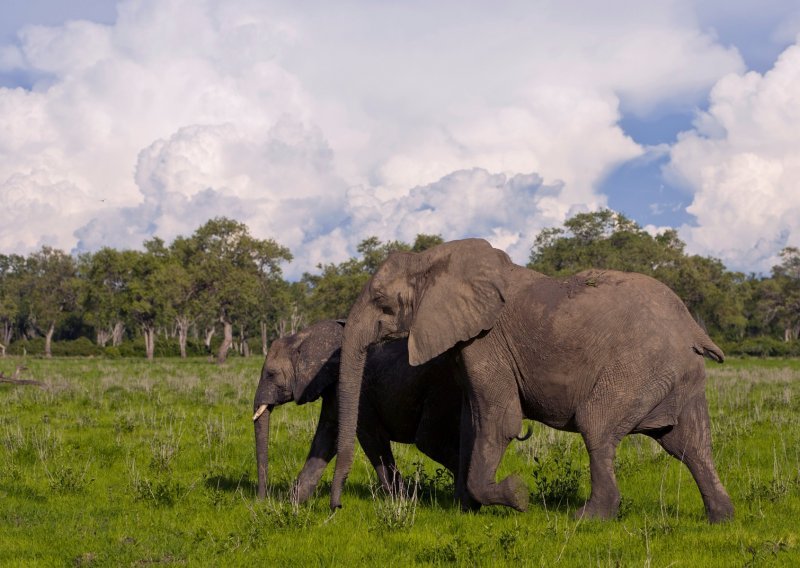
(261, 425)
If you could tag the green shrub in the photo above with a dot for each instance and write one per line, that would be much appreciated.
(763, 347)
(556, 479)
(81, 347)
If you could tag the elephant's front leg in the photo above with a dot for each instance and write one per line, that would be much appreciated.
(490, 430)
(323, 448)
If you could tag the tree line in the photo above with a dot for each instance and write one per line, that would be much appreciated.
(221, 290)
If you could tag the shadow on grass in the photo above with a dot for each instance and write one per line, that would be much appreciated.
(443, 499)
(231, 484)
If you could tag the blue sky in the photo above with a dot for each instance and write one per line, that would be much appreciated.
(319, 125)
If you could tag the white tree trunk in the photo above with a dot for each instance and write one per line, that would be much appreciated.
(8, 332)
(182, 324)
(48, 340)
(210, 331)
(149, 341)
(117, 333)
(227, 340)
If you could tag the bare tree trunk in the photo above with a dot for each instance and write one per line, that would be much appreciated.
(210, 331)
(8, 332)
(149, 341)
(48, 340)
(227, 340)
(264, 346)
(245, 348)
(297, 320)
(2, 350)
(103, 335)
(116, 334)
(182, 323)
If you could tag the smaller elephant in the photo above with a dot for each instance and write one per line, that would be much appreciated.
(401, 403)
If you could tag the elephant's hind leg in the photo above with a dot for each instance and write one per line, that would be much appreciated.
(690, 441)
(610, 413)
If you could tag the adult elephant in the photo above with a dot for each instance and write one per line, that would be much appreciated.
(603, 353)
(401, 403)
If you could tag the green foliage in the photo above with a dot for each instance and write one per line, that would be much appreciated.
(762, 347)
(222, 278)
(556, 479)
(81, 347)
(608, 240)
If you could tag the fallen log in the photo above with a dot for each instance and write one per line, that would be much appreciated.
(15, 380)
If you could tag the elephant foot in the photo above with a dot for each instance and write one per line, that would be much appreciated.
(516, 492)
(720, 512)
(300, 493)
(468, 504)
(511, 492)
(595, 509)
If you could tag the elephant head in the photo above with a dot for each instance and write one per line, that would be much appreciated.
(437, 298)
(297, 368)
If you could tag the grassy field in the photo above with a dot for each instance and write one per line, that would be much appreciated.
(129, 463)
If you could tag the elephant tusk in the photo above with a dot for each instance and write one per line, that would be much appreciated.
(259, 412)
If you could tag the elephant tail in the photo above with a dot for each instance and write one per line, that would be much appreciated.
(705, 347)
(525, 436)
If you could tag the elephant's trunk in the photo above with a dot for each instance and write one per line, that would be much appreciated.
(261, 424)
(359, 334)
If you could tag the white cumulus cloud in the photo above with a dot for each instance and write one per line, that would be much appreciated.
(319, 124)
(742, 161)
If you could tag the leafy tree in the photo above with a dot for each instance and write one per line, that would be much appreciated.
(608, 240)
(603, 239)
(11, 271)
(146, 299)
(234, 273)
(105, 280)
(424, 242)
(51, 289)
(779, 297)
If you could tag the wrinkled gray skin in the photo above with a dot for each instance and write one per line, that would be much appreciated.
(603, 353)
(401, 403)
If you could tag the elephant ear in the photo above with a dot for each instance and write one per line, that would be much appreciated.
(316, 364)
(460, 292)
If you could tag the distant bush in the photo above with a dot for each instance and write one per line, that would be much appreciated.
(763, 347)
(164, 348)
(33, 346)
(81, 347)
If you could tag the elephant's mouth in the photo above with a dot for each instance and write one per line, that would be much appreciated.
(393, 336)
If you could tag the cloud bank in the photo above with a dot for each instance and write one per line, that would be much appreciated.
(320, 125)
(742, 161)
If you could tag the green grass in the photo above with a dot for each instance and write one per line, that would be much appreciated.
(129, 463)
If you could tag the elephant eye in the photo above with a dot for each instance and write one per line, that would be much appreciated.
(387, 310)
